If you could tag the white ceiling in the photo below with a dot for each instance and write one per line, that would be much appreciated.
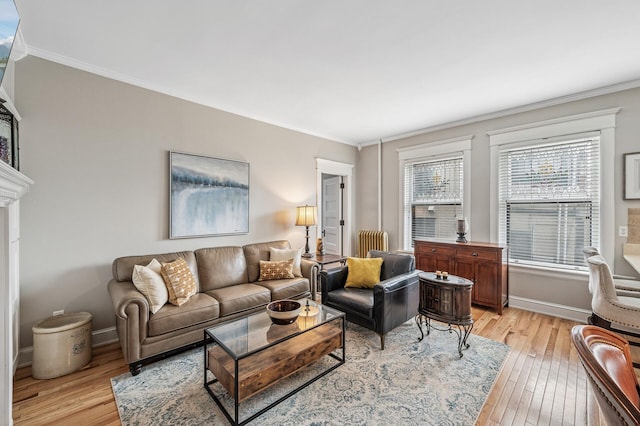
(354, 71)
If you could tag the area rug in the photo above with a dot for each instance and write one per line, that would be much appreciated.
(409, 383)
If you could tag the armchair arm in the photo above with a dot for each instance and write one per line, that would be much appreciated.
(395, 300)
(132, 316)
(332, 279)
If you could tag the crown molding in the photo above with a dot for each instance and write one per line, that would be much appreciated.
(605, 90)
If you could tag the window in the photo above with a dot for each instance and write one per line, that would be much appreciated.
(549, 200)
(432, 198)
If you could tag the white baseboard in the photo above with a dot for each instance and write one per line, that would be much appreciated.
(99, 338)
(548, 308)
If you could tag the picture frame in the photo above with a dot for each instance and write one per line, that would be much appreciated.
(632, 176)
(9, 149)
(208, 196)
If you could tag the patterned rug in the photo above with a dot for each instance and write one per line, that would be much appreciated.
(409, 383)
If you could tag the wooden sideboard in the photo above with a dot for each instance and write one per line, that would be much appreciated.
(486, 264)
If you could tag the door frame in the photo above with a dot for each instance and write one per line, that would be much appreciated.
(345, 170)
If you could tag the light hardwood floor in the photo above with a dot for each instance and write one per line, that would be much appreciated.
(541, 382)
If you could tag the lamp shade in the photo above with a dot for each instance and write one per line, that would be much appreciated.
(306, 215)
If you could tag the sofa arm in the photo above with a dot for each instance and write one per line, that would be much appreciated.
(132, 316)
(310, 270)
(395, 300)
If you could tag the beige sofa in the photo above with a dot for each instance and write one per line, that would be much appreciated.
(227, 288)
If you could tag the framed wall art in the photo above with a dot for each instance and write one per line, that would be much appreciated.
(208, 196)
(632, 176)
(8, 138)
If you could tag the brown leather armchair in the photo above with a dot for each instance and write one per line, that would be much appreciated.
(607, 360)
(391, 302)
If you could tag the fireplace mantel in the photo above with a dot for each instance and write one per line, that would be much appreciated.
(13, 186)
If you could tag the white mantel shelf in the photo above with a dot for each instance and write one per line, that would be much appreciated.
(13, 186)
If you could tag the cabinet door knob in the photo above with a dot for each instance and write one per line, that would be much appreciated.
(474, 254)
(433, 250)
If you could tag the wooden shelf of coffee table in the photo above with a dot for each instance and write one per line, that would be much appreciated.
(263, 369)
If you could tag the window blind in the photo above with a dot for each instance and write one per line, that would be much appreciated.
(549, 199)
(432, 198)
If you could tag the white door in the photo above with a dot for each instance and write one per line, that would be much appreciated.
(331, 215)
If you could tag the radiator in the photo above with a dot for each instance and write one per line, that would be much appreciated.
(372, 240)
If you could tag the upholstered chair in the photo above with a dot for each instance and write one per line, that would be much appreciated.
(624, 287)
(606, 358)
(391, 302)
(607, 306)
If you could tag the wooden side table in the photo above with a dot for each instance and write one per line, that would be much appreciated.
(447, 301)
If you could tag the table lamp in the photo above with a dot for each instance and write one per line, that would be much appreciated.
(306, 216)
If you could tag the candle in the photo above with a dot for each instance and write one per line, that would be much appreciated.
(461, 226)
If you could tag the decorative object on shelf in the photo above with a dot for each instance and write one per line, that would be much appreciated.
(306, 216)
(320, 247)
(632, 176)
(208, 196)
(284, 312)
(462, 227)
(442, 275)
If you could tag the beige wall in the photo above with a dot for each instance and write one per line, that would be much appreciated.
(568, 291)
(98, 152)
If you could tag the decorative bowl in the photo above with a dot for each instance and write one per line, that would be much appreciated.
(284, 312)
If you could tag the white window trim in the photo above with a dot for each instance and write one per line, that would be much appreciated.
(603, 121)
(431, 150)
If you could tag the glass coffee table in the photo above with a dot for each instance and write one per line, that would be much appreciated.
(250, 354)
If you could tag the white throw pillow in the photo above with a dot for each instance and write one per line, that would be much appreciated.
(276, 255)
(149, 282)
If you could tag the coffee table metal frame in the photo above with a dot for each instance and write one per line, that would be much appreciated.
(325, 315)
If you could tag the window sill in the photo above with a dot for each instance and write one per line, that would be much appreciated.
(541, 271)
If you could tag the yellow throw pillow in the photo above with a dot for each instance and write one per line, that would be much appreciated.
(363, 273)
(276, 270)
(180, 282)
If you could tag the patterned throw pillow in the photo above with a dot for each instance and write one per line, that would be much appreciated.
(276, 270)
(148, 280)
(180, 282)
(363, 273)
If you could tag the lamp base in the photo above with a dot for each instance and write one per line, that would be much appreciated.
(307, 254)
(461, 237)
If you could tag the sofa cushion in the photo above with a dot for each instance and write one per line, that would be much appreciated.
(122, 267)
(179, 280)
(276, 270)
(220, 267)
(363, 273)
(359, 300)
(254, 253)
(287, 289)
(276, 254)
(241, 297)
(198, 309)
(148, 280)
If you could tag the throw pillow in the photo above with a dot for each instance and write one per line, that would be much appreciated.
(148, 280)
(276, 270)
(276, 254)
(363, 273)
(181, 284)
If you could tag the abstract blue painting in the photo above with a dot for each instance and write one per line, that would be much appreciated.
(209, 196)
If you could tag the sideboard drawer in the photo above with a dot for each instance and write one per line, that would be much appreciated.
(479, 253)
(435, 250)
